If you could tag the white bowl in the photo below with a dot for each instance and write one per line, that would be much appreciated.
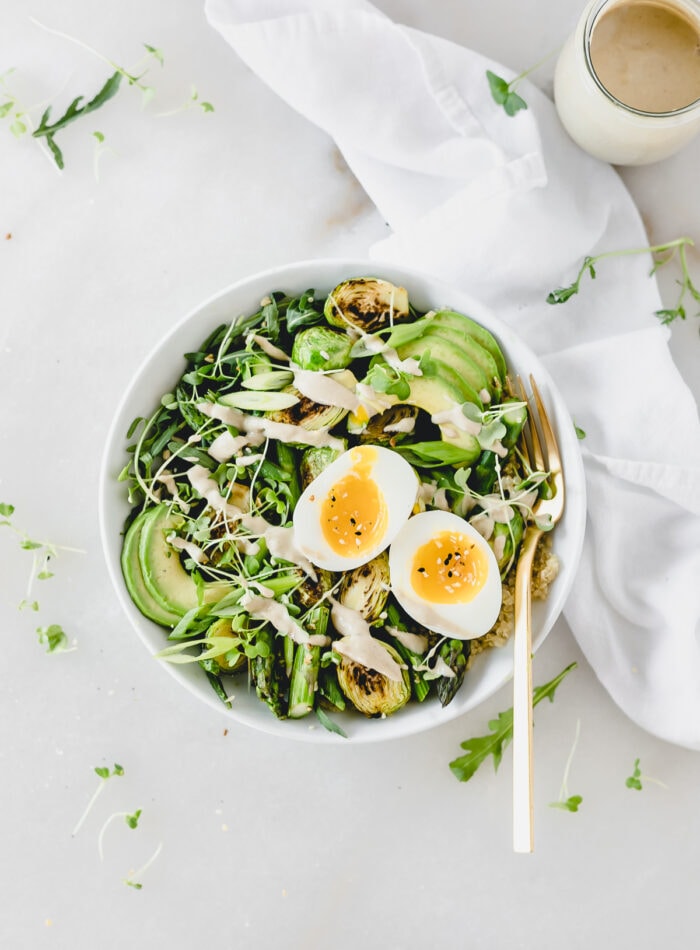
(159, 373)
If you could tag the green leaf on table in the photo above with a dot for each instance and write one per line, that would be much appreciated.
(493, 744)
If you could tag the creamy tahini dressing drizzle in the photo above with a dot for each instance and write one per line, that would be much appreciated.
(282, 431)
(415, 642)
(263, 608)
(325, 390)
(193, 550)
(407, 424)
(280, 541)
(358, 644)
(455, 417)
(205, 486)
(225, 446)
(374, 344)
(274, 351)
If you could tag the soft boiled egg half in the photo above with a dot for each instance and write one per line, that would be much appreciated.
(445, 575)
(355, 508)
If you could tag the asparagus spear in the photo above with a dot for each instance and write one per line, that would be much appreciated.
(307, 659)
(455, 653)
(268, 672)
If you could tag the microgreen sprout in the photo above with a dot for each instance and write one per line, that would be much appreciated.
(192, 102)
(478, 749)
(53, 638)
(42, 554)
(661, 255)
(580, 433)
(131, 820)
(104, 774)
(503, 92)
(133, 879)
(635, 779)
(565, 801)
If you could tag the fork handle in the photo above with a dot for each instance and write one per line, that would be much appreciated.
(523, 785)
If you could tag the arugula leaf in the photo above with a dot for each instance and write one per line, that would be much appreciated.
(74, 111)
(478, 749)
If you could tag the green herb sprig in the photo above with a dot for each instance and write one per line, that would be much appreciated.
(661, 254)
(131, 821)
(478, 749)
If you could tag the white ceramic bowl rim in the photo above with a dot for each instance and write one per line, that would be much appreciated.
(160, 371)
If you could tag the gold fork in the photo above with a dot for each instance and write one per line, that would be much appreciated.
(543, 455)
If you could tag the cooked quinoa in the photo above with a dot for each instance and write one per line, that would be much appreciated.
(544, 571)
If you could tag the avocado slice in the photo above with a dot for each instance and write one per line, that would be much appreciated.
(133, 576)
(437, 395)
(462, 323)
(454, 355)
(476, 352)
(164, 577)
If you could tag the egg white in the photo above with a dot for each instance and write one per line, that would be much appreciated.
(463, 621)
(397, 482)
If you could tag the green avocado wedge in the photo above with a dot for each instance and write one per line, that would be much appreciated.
(470, 348)
(454, 355)
(435, 396)
(133, 576)
(464, 324)
(164, 577)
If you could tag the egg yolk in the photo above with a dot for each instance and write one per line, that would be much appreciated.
(354, 512)
(451, 568)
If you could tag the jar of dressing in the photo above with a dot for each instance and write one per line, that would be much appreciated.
(627, 82)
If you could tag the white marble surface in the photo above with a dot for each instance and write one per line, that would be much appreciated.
(264, 842)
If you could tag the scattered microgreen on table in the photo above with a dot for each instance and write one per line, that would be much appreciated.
(478, 749)
(636, 778)
(131, 821)
(565, 801)
(52, 636)
(662, 254)
(47, 129)
(503, 92)
(104, 774)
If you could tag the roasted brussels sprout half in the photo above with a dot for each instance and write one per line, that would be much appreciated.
(229, 628)
(307, 413)
(366, 588)
(387, 427)
(373, 693)
(319, 348)
(367, 303)
(314, 461)
(311, 591)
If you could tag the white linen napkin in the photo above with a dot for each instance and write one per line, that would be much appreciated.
(507, 208)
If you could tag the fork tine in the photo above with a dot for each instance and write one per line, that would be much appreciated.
(553, 459)
(533, 442)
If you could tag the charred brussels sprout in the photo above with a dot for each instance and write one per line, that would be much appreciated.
(309, 592)
(388, 426)
(314, 461)
(366, 588)
(373, 693)
(307, 413)
(234, 659)
(367, 303)
(321, 348)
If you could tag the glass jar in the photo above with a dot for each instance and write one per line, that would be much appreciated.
(602, 124)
